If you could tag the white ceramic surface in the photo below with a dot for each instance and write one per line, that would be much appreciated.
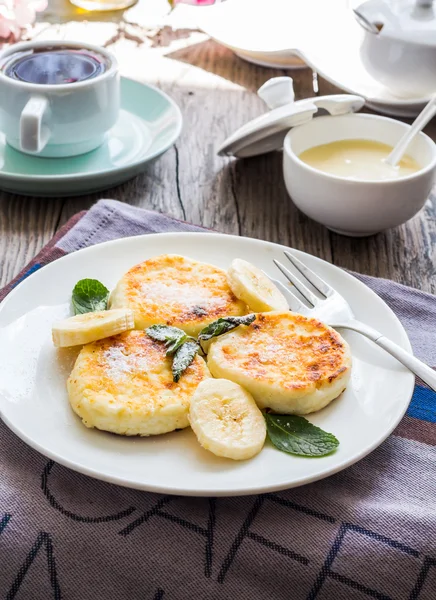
(253, 28)
(323, 34)
(290, 60)
(418, 125)
(34, 404)
(400, 52)
(148, 124)
(267, 132)
(351, 207)
(58, 120)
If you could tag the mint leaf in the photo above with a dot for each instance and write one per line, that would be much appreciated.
(183, 358)
(296, 435)
(223, 325)
(89, 295)
(175, 345)
(164, 333)
(179, 345)
(172, 336)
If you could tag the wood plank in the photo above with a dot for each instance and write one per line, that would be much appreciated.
(217, 93)
(26, 225)
(237, 196)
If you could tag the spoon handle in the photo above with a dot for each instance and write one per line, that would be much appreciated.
(419, 123)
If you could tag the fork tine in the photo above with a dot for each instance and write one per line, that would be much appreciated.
(304, 291)
(312, 277)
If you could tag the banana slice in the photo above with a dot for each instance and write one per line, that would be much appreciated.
(250, 285)
(92, 326)
(226, 420)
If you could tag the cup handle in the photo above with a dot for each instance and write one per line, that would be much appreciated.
(33, 134)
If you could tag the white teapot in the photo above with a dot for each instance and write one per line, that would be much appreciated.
(399, 46)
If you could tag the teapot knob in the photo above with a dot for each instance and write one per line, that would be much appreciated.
(277, 91)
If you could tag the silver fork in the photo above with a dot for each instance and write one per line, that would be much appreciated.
(334, 310)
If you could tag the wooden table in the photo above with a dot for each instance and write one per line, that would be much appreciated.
(217, 93)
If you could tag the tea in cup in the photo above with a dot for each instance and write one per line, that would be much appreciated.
(58, 98)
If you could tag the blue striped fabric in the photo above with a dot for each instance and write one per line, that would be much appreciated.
(29, 271)
(423, 405)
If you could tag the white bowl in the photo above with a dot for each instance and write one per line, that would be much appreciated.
(350, 206)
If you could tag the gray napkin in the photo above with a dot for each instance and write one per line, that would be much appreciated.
(367, 532)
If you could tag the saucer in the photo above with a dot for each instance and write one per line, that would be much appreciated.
(149, 123)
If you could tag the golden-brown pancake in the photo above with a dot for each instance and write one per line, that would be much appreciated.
(175, 290)
(124, 384)
(289, 363)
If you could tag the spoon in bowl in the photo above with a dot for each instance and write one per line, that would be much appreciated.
(419, 123)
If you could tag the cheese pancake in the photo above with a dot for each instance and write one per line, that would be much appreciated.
(289, 363)
(124, 384)
(177, 291)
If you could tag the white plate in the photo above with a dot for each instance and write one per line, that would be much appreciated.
(285, 61)
(285, 34)
(254, 26)
(35, 406)
(149, 123)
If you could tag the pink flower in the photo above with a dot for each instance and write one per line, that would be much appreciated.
(15, 15)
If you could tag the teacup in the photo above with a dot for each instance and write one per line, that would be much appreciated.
(351, 206)
(57, 98)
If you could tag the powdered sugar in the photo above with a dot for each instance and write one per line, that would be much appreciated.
(119, 365)
(176, 293)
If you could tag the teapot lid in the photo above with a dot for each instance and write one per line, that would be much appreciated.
(405, 20)
(267, 132)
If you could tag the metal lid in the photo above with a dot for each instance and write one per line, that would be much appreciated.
(267, 132)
